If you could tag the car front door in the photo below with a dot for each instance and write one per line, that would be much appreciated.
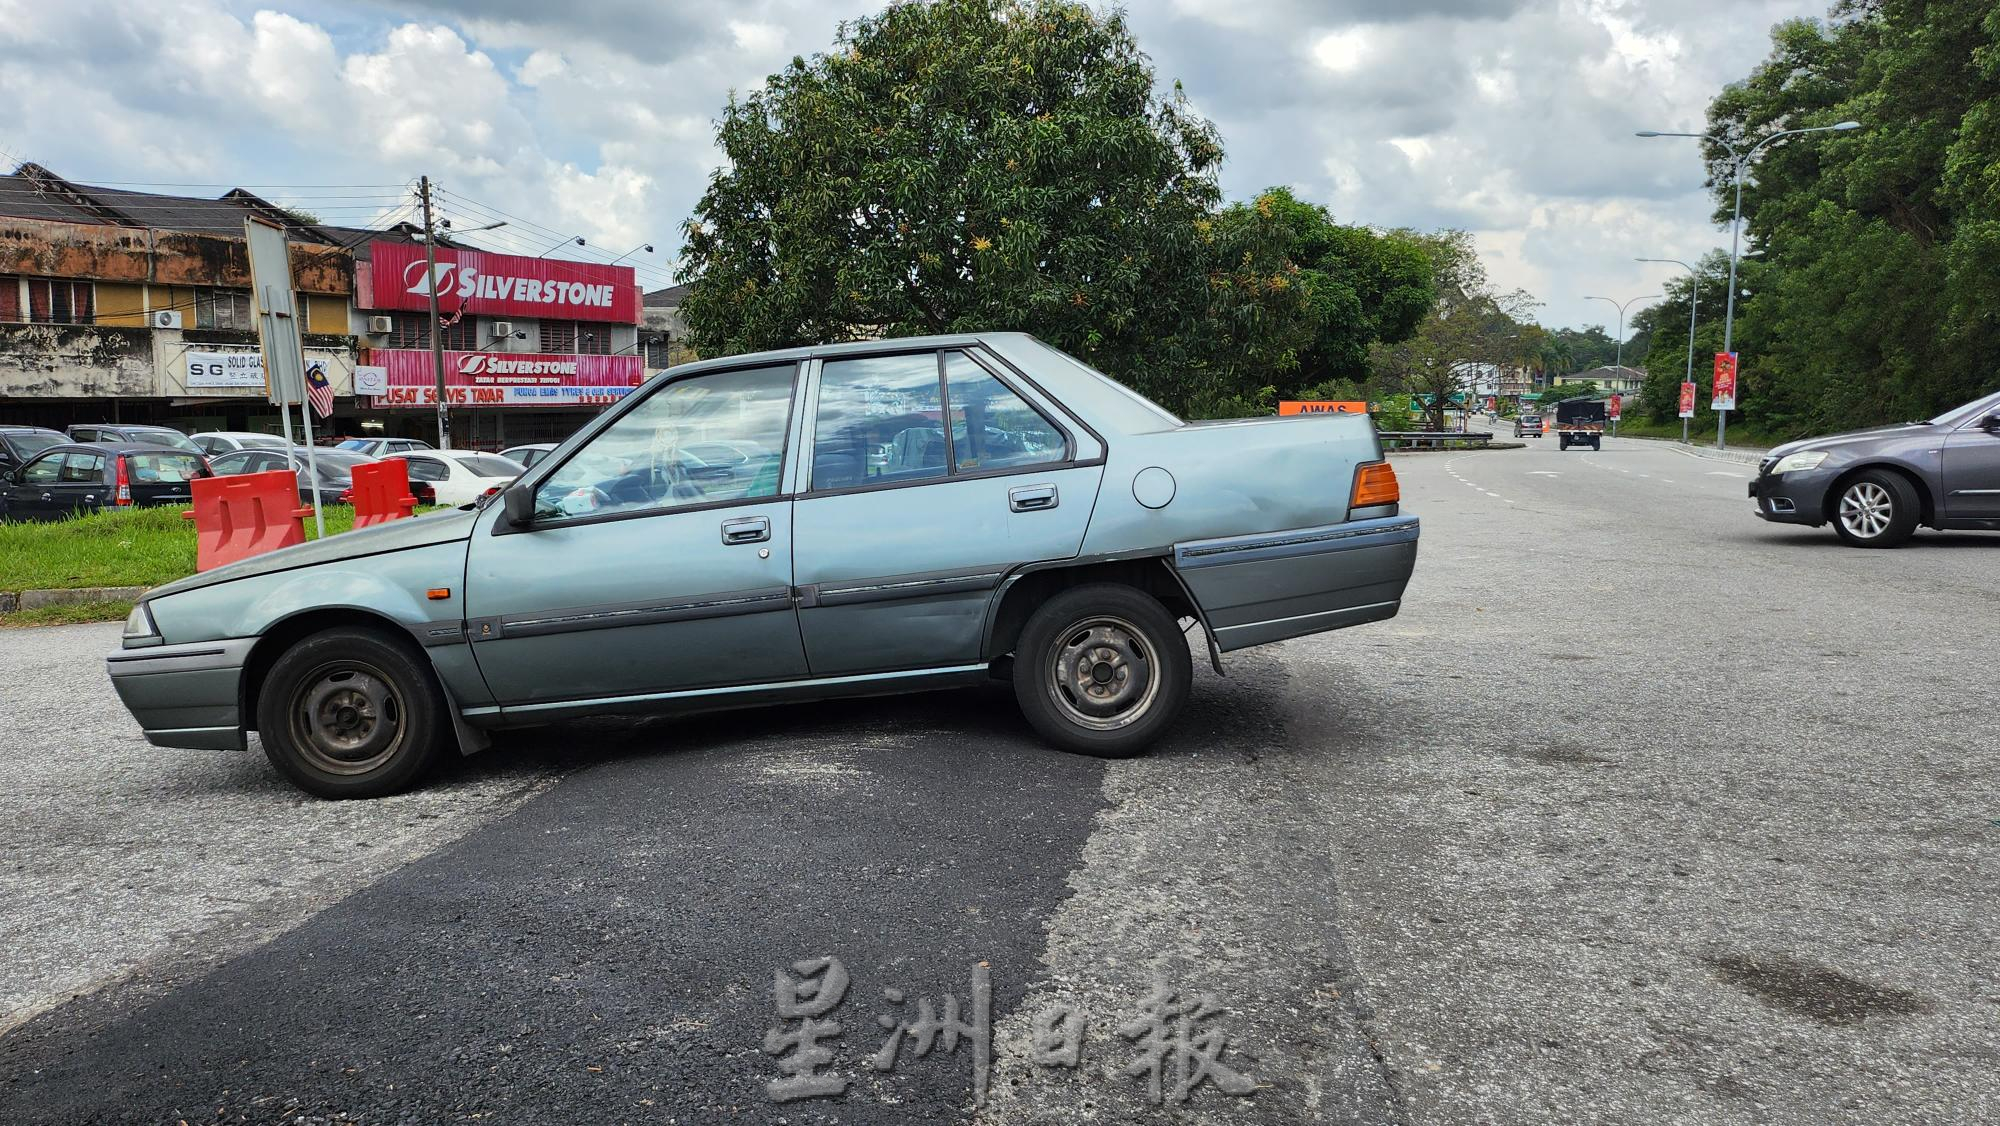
(930, 479)
(634, 578)
(32, 496)
(1971, 471)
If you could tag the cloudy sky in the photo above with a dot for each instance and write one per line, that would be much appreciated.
(1511, 118)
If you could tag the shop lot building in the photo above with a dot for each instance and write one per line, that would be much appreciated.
(135, 306)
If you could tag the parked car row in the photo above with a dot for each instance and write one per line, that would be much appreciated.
(48, 474)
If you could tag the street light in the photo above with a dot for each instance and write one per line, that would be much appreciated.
(1736, 228)
(1694, 293)
(645, 246)
(577, 239)
(1621, 332)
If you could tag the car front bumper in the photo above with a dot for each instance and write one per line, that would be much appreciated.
(1791, 498)
(185, 695)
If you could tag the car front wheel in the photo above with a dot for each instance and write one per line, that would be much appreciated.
(1102, 670)
(350, 713)
(1876, 509)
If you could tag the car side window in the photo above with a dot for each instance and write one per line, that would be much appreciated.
(44, 470)
(642, 462)
(81, 468)
(228, 465)
(991, 426)
(880, 420)
(427, 469)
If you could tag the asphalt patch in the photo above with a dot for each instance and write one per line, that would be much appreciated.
(1816, 992)
(608, 951)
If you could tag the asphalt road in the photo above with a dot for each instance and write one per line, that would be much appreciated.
(1641, 811)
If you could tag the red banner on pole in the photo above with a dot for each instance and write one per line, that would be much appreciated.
(1687, 400)
(1725, 382)
(1617, 405)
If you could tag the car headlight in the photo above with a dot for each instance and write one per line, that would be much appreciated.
(1799, 462)
(139, 624)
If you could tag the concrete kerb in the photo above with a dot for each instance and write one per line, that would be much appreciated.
(37, 599)
(1740, 456)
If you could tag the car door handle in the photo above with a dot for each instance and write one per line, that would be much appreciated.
(48, 496)
(746, 529)
(1030, 498)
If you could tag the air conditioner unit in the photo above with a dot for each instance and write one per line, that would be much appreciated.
(380, 325)
(503, 329)
(166, 318)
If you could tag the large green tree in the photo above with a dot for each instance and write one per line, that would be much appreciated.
(1871, 290)
(965, 165)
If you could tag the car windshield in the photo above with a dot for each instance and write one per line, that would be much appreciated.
(260, 441)
(1960, 415)
(345, 460)
(490, 465)
(163, 437)
(357, 444)
(32, 444)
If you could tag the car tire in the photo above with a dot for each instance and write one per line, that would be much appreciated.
(1102, 670)
(1876, 508)
(350, 713)
(1564, 440)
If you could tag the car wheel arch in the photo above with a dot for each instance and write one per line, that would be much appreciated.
(1927, 504)
(1025, 590)
(286, 632)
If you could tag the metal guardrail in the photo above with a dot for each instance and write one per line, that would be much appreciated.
(1431, 439)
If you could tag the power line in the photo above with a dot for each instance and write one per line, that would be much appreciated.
(492, 212)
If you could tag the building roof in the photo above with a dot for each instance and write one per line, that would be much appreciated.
(1601, 374)
(668, 298)
(33, 192)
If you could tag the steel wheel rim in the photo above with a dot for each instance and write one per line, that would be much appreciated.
(347, 717)
(1103, 673)
(1866, 509)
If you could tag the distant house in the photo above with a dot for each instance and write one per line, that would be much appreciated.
(662, 331)
(1609, 378)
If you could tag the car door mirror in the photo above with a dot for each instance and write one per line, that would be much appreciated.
(518, 506)
(1991, 423)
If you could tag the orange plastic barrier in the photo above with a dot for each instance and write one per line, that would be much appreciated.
(382, 492)
(249, 514)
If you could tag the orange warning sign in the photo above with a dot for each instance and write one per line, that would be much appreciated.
(1290, 406)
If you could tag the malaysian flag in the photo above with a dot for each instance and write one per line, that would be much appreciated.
(318, 389)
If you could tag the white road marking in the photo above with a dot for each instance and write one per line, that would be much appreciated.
(1543, 473)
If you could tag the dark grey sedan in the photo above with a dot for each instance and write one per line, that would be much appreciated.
(1876, 486)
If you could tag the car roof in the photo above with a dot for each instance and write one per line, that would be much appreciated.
(533, 446)
(4, 429)
(235, 434)
(121, 448)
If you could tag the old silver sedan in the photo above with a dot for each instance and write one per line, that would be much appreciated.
(892, 516)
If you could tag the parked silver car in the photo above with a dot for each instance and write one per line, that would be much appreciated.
(901, 514)
(1877, 486)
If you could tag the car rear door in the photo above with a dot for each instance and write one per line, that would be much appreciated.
(83, 485)
(642, 582)
(930, 479)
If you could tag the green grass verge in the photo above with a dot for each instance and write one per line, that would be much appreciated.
(67, 615)
(133, 547)
(1702, 434)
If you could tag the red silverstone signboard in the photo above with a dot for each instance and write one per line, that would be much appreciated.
(1725, 382)
(1687, 400)
(503, 285)
(506, 379)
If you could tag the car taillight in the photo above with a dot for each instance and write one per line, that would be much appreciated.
(124, 481)
(489, 492)
(1375, 483)
(346, 497)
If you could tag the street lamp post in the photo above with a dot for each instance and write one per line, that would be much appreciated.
(1694, 294)
(1736, 229)
(1621, 333)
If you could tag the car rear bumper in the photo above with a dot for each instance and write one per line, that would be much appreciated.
(185, 695)
(1791, 498)
(1275, 585)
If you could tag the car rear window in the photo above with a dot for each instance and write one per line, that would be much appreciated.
(32, 444)
(162, 469)
(490, 465)
(162, 437)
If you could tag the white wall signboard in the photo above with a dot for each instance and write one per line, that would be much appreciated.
(225, 369)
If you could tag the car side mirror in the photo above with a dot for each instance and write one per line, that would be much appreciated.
(1991, 423)
(518, 506)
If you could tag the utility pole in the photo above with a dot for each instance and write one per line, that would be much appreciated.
(436, 331)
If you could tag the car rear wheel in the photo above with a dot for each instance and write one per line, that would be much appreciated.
(350, 713)
(1876, 509)
(1102, 670)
